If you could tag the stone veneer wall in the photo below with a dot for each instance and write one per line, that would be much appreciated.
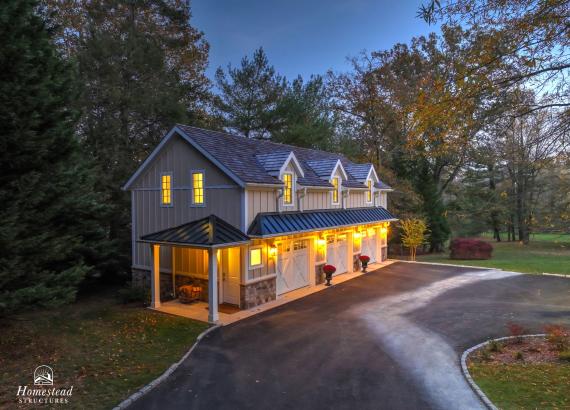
(319, 274)
(356, 263)
(141, 278)
(255, 294)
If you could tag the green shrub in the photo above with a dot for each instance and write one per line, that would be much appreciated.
(565, 355)
(518, 356)
(131, 294)
(494, 346)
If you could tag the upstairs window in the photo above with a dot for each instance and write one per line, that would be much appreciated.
(369, 192)
(336, 184)
(288, 189)
(166, 190)
(198, 187)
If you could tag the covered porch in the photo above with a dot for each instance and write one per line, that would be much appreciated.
(206, 254)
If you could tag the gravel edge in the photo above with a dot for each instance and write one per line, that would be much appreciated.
(144, 390)
(468, 377)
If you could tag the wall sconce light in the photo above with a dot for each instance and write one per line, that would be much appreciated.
(383, 231)
(273, 251)
(321, 243)
(357, 235)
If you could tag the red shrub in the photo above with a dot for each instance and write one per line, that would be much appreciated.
(465, 248)
(329, 269)
(559, 336)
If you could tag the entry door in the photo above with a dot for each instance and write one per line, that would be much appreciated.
(231, 268)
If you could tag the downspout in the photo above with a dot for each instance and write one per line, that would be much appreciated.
(300, 195)
(277, 198)
(344, 196)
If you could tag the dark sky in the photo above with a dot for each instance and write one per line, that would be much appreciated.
(304, 37)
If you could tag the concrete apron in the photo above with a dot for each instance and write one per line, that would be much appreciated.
(425, 355)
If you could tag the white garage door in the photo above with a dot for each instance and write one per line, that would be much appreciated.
(292, 265)
(337, 252)
(369, 245)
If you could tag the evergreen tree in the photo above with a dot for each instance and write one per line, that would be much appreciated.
(142, 68)
(49, 235)
(304, 116)
(249, 96)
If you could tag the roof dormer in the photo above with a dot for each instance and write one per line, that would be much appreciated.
(276, 163)
(327, 168)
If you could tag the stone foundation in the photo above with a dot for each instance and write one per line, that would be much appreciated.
(356, 264)
(319, 274)
(258, 293)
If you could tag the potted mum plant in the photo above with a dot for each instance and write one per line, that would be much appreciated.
(328, 270)
(364, 259)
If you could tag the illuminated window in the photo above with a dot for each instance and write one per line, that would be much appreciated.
(166, 190)
(335, 182)
(255, 257)
(288, 189)
(198, 188)
(369, 192)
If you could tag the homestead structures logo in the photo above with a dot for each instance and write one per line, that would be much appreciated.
(43, 376)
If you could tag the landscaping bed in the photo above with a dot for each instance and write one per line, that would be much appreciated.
(525, 373)
(104, 349)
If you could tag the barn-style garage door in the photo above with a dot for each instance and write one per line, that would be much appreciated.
(337, 252)
(369, 244)
(292, 265)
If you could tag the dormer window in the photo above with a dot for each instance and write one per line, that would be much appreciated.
(336, 185)
(369, 191)
(288, 189)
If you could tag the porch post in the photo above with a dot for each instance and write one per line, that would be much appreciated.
(155, 276)
(212, 285)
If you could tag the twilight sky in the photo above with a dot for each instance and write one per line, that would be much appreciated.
(304, 37)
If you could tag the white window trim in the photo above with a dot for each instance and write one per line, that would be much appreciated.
(195, 171)
(171, 204)
(252, 248)
(338, 189)
(371, 190)
(293, 183)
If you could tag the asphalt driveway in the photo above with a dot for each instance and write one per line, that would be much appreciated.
(390, 339)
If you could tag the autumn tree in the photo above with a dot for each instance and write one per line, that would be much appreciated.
(409, 118)
(523, 43)
(413, 234)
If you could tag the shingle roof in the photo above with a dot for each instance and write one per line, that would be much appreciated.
(358, 171)
(273, 161)
(382, 185)
(250, 159)
(275, 224)
(323, 167)
(207, 232)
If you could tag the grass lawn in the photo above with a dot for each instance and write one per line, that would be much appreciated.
(104, 349)
(546, 253)
(524, 386)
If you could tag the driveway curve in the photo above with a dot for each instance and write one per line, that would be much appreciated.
(390, 339)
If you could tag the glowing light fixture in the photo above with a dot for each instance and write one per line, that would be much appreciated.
(273, 251)
(357, 235)
(321, 242)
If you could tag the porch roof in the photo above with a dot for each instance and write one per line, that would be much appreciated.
(209, 232)
(275, 224)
